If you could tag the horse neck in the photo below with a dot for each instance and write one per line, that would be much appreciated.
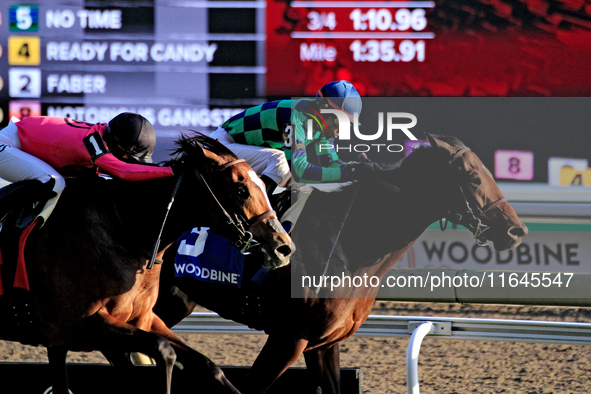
(390, 221)
(427, 185)
(141, 207)
(191, 208)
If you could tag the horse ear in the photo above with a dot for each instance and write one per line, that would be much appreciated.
(432, 140)
(437, 143)
(204, 154)
(210, 155)
(197, 156)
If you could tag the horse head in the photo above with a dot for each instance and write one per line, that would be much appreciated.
(238, 194)
(477, 202)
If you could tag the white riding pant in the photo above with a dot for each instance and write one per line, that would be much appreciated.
(17, 165)
(304, 191)
(264, 161)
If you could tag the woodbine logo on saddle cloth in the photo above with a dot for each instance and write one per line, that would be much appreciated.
(209, 257)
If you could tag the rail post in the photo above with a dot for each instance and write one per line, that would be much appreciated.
(412, 356)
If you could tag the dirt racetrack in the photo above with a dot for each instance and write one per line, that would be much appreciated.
(445, 366)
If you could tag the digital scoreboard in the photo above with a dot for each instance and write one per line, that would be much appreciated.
(389, 34)
(191, 64)
(430, 48)
(181, 64)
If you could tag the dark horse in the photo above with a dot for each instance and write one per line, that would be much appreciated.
(90, 287)
(386, 214)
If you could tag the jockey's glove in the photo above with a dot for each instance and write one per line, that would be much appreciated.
(362, 170)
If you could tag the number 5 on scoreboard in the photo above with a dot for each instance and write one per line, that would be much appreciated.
(23, 18)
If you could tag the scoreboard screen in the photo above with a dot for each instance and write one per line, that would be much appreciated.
(181, 64)
(430, 48)
(192, 64)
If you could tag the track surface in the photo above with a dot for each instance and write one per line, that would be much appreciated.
(445, 366)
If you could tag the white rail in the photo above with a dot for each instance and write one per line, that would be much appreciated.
(417, 327)
(403, 326)
(412, 356)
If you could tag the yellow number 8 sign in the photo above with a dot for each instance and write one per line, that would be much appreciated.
(24, 50)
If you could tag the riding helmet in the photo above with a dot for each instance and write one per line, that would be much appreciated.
(342, 95)
(131, 134)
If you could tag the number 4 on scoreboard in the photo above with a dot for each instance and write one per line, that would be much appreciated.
(24, 51)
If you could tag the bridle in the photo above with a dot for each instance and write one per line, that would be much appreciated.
(467, 218)
(244, 238)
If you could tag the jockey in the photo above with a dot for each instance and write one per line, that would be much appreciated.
(36, 149)
(257, 136)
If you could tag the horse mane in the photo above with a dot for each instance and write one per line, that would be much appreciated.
(420, 152)
(391, 171)
(189, 145)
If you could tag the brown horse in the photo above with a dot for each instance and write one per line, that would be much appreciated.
(90, 288)
(444, 180)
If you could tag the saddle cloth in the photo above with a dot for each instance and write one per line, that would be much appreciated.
(209, 257)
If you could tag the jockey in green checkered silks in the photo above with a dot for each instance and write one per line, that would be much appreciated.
(272, 135)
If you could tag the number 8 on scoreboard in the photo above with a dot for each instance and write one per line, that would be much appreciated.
(513, 164)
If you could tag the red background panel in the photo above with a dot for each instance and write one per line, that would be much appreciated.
(480, 48)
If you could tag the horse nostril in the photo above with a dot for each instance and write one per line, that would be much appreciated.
(518, 231)
(283, 250)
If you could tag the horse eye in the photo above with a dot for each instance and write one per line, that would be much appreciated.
(243, 192)
(475, 180)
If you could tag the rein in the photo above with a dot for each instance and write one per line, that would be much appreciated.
(157, 243)
(388, 186)
(469, 219)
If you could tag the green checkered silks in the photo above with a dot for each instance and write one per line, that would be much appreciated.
(315, 160)
(263, 125)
